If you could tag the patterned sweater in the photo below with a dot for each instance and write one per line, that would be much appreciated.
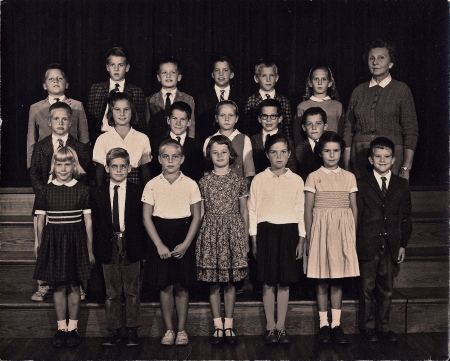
(382, 112)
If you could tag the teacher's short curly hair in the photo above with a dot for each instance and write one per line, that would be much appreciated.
(380, 43)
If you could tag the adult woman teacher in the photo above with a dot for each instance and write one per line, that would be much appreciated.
(382, 107)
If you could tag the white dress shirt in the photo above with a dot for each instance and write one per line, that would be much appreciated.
(226, 94)
(382, 83)
(121, 192)
(380, 182)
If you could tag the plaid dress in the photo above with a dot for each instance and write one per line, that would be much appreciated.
(63, 254)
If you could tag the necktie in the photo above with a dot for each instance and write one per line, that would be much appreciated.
(222, 98)
(116, 89)
(61, 143)
(267, 138)
(167, 105)
(179, 139)
(56, 100)
(383, 186)
(316, 149)
(267, 96)
(116, 223)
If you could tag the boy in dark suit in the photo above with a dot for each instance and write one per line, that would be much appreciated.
(117, 65)
(205, 110)
(179, 120)
(314, 123)
(120, 244)
(384, 229)
(59, 121)
(157, 106)
(270, 118)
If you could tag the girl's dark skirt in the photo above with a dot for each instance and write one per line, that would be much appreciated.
(165, 272)
(275, 253)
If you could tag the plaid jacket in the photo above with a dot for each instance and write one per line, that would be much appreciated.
(41, 160)
(155, 115)
(96, 107)
(251, 123)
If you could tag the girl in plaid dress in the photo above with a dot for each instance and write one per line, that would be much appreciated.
(64, 253)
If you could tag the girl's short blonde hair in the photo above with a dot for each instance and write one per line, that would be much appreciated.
(64, 154)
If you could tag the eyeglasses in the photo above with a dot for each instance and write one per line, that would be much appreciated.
(116, 167)
(272, 116)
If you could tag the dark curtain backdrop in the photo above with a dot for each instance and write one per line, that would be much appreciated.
(296, 34)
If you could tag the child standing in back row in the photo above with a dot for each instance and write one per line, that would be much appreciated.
(330, 219)
(320, 92)
(222, 243)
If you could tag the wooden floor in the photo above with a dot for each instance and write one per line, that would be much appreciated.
(424, 346)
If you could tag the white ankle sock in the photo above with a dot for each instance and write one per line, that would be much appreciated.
(218, 323)
(335, 318)
(73, 325)
(228, 323)
(323, 319)
(62, 325)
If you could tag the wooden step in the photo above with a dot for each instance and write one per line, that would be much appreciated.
(22, 318)
(422, 272)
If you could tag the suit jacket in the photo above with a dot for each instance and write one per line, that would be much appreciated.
(308, 161)
(193, 165)
(41, 160)
(383, 219)
(38, 127)
(136, 240)
(97, 102)
(259, 155)
(155, 115)
(205, 112)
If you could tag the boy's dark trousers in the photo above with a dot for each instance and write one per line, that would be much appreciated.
(121, 274)
(376, 284)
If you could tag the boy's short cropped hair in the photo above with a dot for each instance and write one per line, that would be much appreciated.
(276, 138)
(380, 43)
(181, 106)
(60, 105)
(381, 143)
(265, 63)
(115, 153)
(270, 103)
(220, 139)
(314, 111)
(221, 58)
(169, 59)
(50, 67)
(328, 137)
(170, 142)
(112, 99)
(117, 51)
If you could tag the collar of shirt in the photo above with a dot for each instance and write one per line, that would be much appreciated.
(182, 136)
(122, 185)
(172, 92)
(112, 85)
(55, 140)
(225, 95)
(51, 99)
(271, 174)
(382, 83)
(114, 131)
(263, 94)
(232, 135)
(378, 178)
(312, 143)
(328, 171)
(264, 134)
(179, 179)
(319, 100)
(68, 184)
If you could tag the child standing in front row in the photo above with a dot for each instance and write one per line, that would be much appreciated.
(227, 117)
(330, 219)
(64, 254)
(320, 92)
(222, 244)
(172, 215)
(277, 230)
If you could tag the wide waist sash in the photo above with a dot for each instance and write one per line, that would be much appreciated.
(62, 217)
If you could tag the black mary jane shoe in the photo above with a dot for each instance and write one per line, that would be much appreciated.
(232, 339)
(217, 337)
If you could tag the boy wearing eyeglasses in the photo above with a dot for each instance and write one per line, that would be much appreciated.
(270, 117)
(120, 244)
